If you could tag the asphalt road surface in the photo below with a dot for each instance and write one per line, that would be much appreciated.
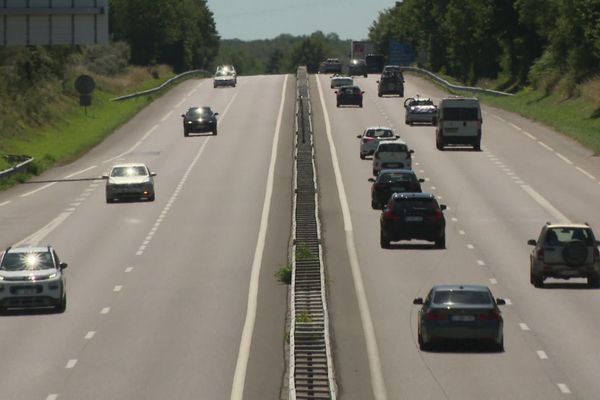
(497, 199)
(158, 292)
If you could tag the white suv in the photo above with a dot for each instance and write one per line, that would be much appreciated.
(369, 140)
(392, 154)
(565, 251)
(32, 276)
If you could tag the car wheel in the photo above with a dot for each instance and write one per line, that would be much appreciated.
(186, 133)
(374, 205)
(214, 132)
(499, 346)
(109, 200)
(384, 241)
(477, 146)
(61, 306)
(379, 94)
(360, 105)
(439, 144)
(337, 104)
(362, 156)
(441, 242)
(423, 345)
(538, 281)
(151, 198)
(594, 280)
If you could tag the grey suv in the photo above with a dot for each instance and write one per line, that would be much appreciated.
(32, 276)
(565, 251)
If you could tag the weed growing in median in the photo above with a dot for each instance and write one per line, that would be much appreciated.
(303, 253)
(284, 274)
(304, 317)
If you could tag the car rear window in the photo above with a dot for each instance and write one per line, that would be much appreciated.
(397, 177)
(379, 133)
(462, 297)
(391, 147)
(461, 114)
(565, 235)
(128, 171)
(402, 204)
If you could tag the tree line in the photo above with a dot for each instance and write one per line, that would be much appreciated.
(539, 42)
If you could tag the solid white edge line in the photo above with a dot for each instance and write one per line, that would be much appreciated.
(149, 132)
(180, 103)
(5, 203)
(560, 217)
(239, 377)
(80, 172)
(167, 115)
(37, 237)
(377, 382)
(38, 189)
(123, 153)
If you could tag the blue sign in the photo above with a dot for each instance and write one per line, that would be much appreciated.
(401, 53)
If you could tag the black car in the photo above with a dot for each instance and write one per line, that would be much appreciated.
(349, 95)
(391, 82)
(374, 63)
(199, 119)
(357, 66)
(410, 216)
(331, 65)
(390, 181)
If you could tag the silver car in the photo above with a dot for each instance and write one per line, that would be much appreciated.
(129, 181)
(369, 139)
(32, 276)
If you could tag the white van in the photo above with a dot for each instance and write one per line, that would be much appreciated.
(459, 122)
(392, 154)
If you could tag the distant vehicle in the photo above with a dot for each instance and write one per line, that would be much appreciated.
(391, 82)
(392, 154)
(340, 80)
(129, 181)
(420, 110)
(32, 276)
(224, 78)
(360, 49)
(409, 216)
(357, 66)
(565, 251)
(459, 122)
(227, 69)
(369, 139)
(331, 66)
(390, 181)
(349, 95)
(374, 63)
(460, 312)
(199, 119)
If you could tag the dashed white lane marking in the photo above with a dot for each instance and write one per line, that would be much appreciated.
(510, 173)
(508, 301)
(565, 159)
(139, 253)
(542, 354)
(421, 171)
(80, 199)
(118, 288)
(90, 335)
(433, 188)
(454, 219)
(529, 135)
(180, 103)
(480, 262)
(70, 209)
(71, 363)
(38, 189)
(470, 246)
(519, 182)
(149, 132)
(128, 269)
(5, 203)
(241, 365)
(564, 389)
(105, 310)
(515, 126)
(461, 232)
(167, 115)
(524, 326)
(38, 236)
(493, 281)
(560, 217)
(375, 369)
(515, 177)
(80, 172)
(89, 189)
(75, 204)
(52, 396)
(583, 171)
(544, 145)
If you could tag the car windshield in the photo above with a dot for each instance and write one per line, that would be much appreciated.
(343, 81)
(565, 235)
(461, 114)
(462, 297)
(350, 90)
(397, 177)
(379, 133)
(223, 73)
(402, 205)
(199, 113)
(129, 171)
(391, 147)
(27, 261)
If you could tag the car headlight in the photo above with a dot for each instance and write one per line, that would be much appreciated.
(189, 122)
(1, 278)
(52, 276)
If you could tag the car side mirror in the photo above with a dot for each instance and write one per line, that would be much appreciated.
(597, 242)
(183, 115)
(104, 176)
(418, 300)
(358, 136)
(500, 301)
(371, 180)
(443, 207)
(411, 151)
(336, 92)
(363, 92)
(377, 81)
(63, 265)
(421, 180)
(397, 136)
(215, 114)
(153, 174)
(531, 242)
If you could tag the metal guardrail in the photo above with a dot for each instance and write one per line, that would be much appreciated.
(311, 374)
(452, 86)
(164, 84)
(23, 162)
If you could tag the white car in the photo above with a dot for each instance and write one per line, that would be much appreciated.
(32, 276)
(129, 181)
(420, 111)
(224, 78)
(227, 69)
(339, 81)
(392, 154)
(369, 140)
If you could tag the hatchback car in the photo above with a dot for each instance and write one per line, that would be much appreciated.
(369, 140)
(409, 216)
(349, 95)
(199, 119)
(32, 276)
(420, 110)
(129, 181)
(460, 312)
(565, 251)
(390, 181)
(357, 66)
(392, 154)
(224, 78)
(331, 65)
(228, 69)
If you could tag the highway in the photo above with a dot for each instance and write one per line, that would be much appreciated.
(497, 199)
(161, 294)
(158, 292)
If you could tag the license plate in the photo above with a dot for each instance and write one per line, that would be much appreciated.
(398, 189)
(27, 291)
(463, 318)
(414, 219)
(392, 165)
(450, 130)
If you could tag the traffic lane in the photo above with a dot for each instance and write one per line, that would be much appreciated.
(190, 267)
(348, 341)
(423, 260)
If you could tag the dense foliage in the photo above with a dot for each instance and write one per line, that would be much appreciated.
(180, 33)
(545, 42)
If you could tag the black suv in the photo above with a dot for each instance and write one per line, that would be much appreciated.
(390, 181)
(357, 66)
(349, 95)
(199, 119)
(410, 216)
(391, 82)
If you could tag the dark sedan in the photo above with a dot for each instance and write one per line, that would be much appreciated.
(390, 181)
(199, 119)
(349, 95)
(460, 312)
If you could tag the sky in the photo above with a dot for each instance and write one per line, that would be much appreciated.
(266, 19)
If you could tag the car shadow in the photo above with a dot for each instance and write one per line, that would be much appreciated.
(567, 285)
(200, 134)
(463, 346)
(413, 246)
(24, 312)
(461, 148)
